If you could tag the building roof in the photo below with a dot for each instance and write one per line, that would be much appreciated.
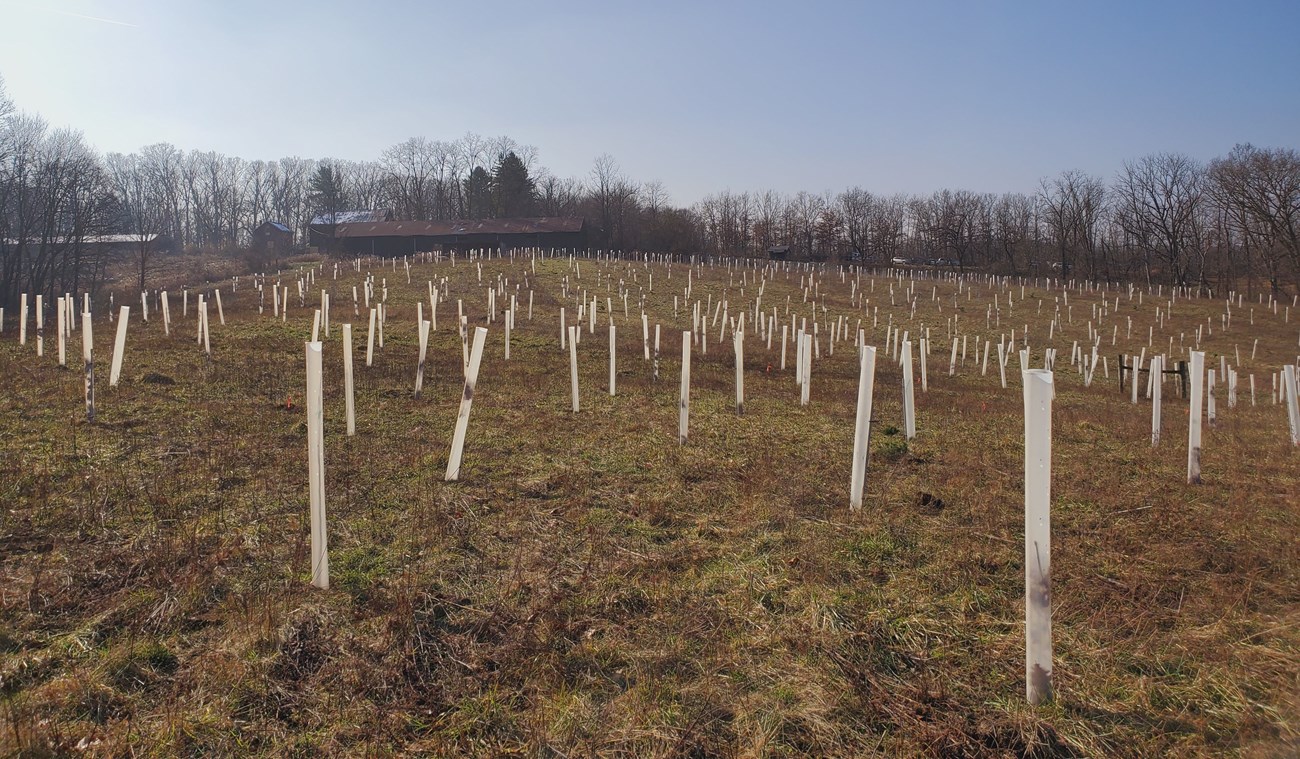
(120, 239)
(541, 225)
(352, 217)
(92, 239)
(274, 225)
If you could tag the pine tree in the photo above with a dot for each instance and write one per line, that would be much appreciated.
(478, 194)
(328, 195)
(513, 191)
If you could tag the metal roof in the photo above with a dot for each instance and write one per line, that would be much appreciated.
(119, 239)
(352, 217)
(277, 225)
(90, 239)
(461, 227)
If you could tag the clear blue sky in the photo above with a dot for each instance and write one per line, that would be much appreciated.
(895, 97)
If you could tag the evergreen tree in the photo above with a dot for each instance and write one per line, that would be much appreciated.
(478, 194)
(327, 194)
(513, 192)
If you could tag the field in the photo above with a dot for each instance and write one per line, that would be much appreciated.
(592, 588)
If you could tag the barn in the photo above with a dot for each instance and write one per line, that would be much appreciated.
(321, 230)
(130, 244)
(394, 238)
(272, 237)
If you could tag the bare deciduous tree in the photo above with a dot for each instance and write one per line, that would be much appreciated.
(1259, 192)
(1073, 204)
(1157, 201)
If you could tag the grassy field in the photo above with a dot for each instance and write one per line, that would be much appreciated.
(590, 587)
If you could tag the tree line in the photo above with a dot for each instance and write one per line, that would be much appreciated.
(1233, 222)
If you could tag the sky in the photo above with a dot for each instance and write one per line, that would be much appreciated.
(901, 97)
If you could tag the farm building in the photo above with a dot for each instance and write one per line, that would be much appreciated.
(320, 232)
(778, 252)
(129, 244)
(272, 237)
(392, 238)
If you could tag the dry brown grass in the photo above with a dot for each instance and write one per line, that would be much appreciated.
(592, 589)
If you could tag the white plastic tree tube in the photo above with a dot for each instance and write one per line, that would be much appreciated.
(805, 387)
(424, 349)
(1197, 371)
(924, 348)
(40, 325)
(785, 330)
(349, 386)
(466, 401)
(60, 325)
(684, 397)
(1136, 363)
(119, 346)
(862, 424)
(1038, 535)
(1289, 381)
(88, 357)
(573, 366)
(370, 338)
(738, 342)
(1157, 365)
(207, 336)
(320, 563)
(909, 393)
(613, 348)
(1209, 397)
